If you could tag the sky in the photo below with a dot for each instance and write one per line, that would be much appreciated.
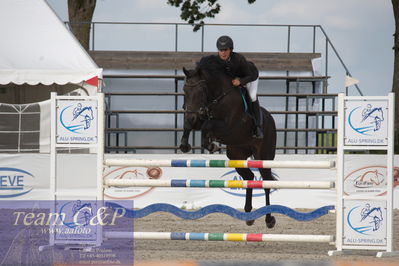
(360, 30)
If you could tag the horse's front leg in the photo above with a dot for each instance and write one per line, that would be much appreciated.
(267, 175)
(184, 145)
(247, 174)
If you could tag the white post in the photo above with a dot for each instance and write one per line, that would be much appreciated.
(53, 160)
(53, 167)
(100, 143)
(390, 159)
(389, 197)
(100, 160)
(53, 150)
(340, 172)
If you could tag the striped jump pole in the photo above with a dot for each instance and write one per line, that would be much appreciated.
(193, 183)
(220, 237)
(221, 163)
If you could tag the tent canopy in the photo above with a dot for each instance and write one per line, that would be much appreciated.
(37, 48)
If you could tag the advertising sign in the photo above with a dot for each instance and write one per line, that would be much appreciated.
(365, 223)
(130, 173)
(15, 182)
(367, 180)
(77, 122)
(366, 123)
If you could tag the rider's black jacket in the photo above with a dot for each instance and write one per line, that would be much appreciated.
(238, 67)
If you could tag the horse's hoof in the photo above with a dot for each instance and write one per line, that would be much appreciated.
(185, 148)
(250, 222)
(213, 147)
(270, 221)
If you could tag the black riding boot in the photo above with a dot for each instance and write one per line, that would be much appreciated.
(258, 120)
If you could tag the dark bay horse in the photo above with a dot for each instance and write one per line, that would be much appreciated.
(215, 107)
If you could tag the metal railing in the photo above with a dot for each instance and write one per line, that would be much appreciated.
(288, 28)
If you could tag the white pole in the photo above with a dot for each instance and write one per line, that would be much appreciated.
(100, 145)
(226, 237)
(340, 172)
(266, 164)
(390, 159)
(227, 184)
(100, 161)
(53, 159)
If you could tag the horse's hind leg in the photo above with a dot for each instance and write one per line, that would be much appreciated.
(267, 151)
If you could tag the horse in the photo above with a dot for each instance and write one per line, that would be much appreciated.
(216, 108)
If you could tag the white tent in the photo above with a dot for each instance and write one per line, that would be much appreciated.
(37, 48)
(38, 54)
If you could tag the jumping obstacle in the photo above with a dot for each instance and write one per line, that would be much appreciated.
(221, 163)
(194, 183)
(349, 138)
(183, 183)
(220, 237)
(350, 119)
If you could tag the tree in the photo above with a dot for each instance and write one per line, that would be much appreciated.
(194, 12)
(395, 83)
(80, 13)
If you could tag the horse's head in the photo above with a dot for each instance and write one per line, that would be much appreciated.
(203, 89)
(195, 98)
(203, 86)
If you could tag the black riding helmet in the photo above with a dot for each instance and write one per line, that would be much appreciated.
(224, 42)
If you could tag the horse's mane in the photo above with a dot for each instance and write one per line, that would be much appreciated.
(211, 64)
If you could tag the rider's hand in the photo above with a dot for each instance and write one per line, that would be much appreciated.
(236, 82)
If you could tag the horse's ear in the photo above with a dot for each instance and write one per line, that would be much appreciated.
(186, 72)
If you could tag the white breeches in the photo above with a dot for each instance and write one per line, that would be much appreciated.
(252, 88)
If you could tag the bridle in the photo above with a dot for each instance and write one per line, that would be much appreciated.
(205, 111)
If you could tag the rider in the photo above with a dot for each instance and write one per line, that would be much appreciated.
(244, 73)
